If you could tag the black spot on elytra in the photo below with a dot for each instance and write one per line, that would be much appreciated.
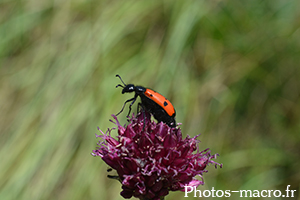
(165, 103)
(151, 95)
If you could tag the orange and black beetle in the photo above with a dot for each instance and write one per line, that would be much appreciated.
(155, 103)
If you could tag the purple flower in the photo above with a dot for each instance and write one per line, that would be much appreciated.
(154, 159)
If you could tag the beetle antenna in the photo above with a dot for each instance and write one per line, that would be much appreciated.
(119, 85)
(121, 80)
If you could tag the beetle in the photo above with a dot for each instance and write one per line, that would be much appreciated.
(151, 101)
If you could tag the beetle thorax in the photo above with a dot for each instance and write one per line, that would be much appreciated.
(140, 90)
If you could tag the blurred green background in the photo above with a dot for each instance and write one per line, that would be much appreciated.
(230, 68)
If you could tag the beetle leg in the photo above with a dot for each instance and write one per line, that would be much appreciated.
(132, 99)
(139, 105)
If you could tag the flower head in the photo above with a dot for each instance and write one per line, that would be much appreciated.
(153, 159)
